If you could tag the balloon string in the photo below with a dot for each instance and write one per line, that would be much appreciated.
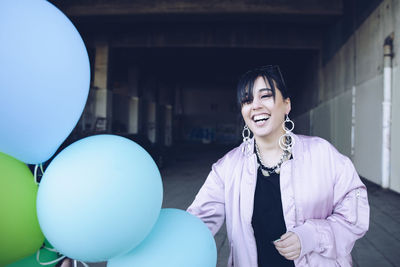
(76, 263)
(47, 263)
(56, 260)
(50, 249)
(35, 175)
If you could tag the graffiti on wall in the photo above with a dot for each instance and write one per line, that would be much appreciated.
(221, 134)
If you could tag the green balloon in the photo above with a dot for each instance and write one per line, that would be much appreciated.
(31, 261)
(20, 233)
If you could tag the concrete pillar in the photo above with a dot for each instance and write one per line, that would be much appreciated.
(133, 122)
(133, 80)
(103, 96)
(178, 114)
(149, 107)
(168, 126)
(133, 108)
(151, 122)
(165, 97)
(88, 116)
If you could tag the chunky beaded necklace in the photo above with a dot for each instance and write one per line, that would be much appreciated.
(267, 171)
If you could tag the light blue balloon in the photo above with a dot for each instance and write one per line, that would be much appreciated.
(178, 239)
(99, 198)
(44, 79)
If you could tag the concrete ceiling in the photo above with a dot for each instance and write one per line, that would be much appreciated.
(209, 41)
(274, 8)
(272, 24)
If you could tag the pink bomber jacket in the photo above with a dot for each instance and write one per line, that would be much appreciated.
(323, 199)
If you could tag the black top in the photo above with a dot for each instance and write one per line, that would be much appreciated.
(267, 221)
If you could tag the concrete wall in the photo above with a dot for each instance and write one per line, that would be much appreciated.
(332, 120)
(395, 140)
(359, 63)
(395, 133)
(210, 115)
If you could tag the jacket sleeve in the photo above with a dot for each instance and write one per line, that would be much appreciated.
(335, 236)
(209, 204)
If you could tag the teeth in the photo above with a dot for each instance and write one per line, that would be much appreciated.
(260, 117)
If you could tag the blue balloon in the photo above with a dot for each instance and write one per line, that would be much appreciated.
(44, 79)
(99, 198)
(178, 239)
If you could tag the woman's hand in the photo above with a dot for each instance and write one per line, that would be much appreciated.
(66, 263)
(289, 246)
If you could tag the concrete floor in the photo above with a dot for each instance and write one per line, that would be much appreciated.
(186, 171)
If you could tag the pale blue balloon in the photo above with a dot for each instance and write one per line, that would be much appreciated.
(99, 198)
(44, 79)
(178, 239)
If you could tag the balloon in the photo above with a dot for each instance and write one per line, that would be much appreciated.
(44, 79)
(99, 198)
(178, 239)
(20, 234)
(45, 255)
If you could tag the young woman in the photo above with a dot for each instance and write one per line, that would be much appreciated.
(288, 200)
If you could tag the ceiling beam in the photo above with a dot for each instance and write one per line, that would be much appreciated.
(199, 7)
(233, 36)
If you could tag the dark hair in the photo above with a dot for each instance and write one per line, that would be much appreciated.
(270, 73)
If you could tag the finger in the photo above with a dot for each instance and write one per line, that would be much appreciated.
(286, 235)
(288, 241)
(289, 249)
(293, 248)
(291, 255)
(66, 263)
(291, 240)
(282, 243)
(280, 252)
(295, 257)
(277, 240)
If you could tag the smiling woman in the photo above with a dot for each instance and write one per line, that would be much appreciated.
(288, 200)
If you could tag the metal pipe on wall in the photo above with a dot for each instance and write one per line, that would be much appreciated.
(386, 105)
(353, 120)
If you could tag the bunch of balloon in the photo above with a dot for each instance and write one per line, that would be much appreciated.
(99, 198)
(44, 84)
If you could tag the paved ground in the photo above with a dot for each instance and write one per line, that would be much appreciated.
(381, 245)
(186, 172)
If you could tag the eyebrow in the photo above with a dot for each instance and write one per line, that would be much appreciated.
(265, 89)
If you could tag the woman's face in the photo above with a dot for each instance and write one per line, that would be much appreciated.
(264, 115)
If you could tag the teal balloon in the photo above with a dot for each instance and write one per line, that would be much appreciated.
(99, 198)
(178, 239)
(44, 79)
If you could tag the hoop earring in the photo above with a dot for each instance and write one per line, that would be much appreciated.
(286, 141)
(246, 133)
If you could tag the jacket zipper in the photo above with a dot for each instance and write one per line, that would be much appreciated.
(233, 256)
(357, 197)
